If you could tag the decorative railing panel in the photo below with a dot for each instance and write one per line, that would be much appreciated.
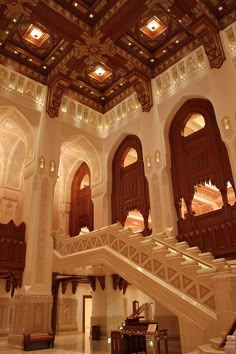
(158, 255)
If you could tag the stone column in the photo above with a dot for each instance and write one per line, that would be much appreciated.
(5, 309)
(115, 306)
(32, 304)
(99, 309)
(67, 311)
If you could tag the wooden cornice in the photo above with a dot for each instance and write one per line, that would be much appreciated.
(56, 90)
(142, 86)
(208, 33)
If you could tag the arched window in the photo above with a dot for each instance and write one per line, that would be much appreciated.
(81, 209)
(130, 196)
(130, 157)
(85, 182)
(202, 179)
(194, 123)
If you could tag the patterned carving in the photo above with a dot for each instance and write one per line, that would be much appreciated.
(142, 87)
(209, 37)
(196, 159)
(12, 253)
(15, 7)
(186, 279)
(55, 91)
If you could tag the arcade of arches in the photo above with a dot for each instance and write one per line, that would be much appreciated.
(167, 175)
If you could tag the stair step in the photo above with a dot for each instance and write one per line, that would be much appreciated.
(215, 343)
(208, 349)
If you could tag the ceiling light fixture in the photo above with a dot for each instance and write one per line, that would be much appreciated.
(100, 73)
(35, 35)
(153, 27)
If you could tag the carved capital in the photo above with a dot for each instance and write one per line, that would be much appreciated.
(142, 87)
(208, 33)
(56, 90)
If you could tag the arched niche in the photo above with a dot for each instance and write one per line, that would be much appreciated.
(81, 208)
(129, 184)
(199, 159)
(17, 153)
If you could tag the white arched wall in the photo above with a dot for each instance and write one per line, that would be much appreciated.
(17, 154)
(74, 151)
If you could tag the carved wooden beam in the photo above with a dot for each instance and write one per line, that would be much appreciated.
(56, 90)
(75, 284)
(142, 87)
(115, 279)
(101, 280)
(64, 287)
(208, 33)
(92, 281)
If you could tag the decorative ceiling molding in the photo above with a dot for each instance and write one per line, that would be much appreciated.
(142, 87)
(208, 33)
(56, 90)
(17, 7)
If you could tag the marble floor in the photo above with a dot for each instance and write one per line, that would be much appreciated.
(66, 344)
(80, 344)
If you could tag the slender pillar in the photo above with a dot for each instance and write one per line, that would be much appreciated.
(67, 311)
(5, 309)
(32, 303)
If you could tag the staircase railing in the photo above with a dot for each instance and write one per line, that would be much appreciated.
(230, 332)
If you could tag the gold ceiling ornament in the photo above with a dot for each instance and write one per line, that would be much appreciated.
(94, 49)
(17, 6)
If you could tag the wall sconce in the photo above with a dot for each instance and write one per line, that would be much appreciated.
(227, 123)
(41, 163)
(52, 166)
(158, 157)
(227, 126)
(148, 161)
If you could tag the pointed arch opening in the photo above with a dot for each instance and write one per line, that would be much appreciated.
(81, 208)
(130, 194)
(204, 191)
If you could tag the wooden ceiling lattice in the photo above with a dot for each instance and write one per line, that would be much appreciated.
(84, 34)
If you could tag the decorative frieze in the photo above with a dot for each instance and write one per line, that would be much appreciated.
(179, 73)
(82, 116)
(21, 85)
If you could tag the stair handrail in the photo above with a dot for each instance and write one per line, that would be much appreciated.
(184, 253)
(230, 332)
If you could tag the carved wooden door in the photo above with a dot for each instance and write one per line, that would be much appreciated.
(81, 212)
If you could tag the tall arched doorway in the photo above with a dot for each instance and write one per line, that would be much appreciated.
(129, 184)
(81, 210)
(203, 186)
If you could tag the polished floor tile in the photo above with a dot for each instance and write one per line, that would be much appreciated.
(81, 344)
(66, 344)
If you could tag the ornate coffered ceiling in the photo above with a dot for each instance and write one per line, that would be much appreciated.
(64, 41)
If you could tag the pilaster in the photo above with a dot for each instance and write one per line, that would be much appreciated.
(5, 308)
(32, 304)
(67, 311)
